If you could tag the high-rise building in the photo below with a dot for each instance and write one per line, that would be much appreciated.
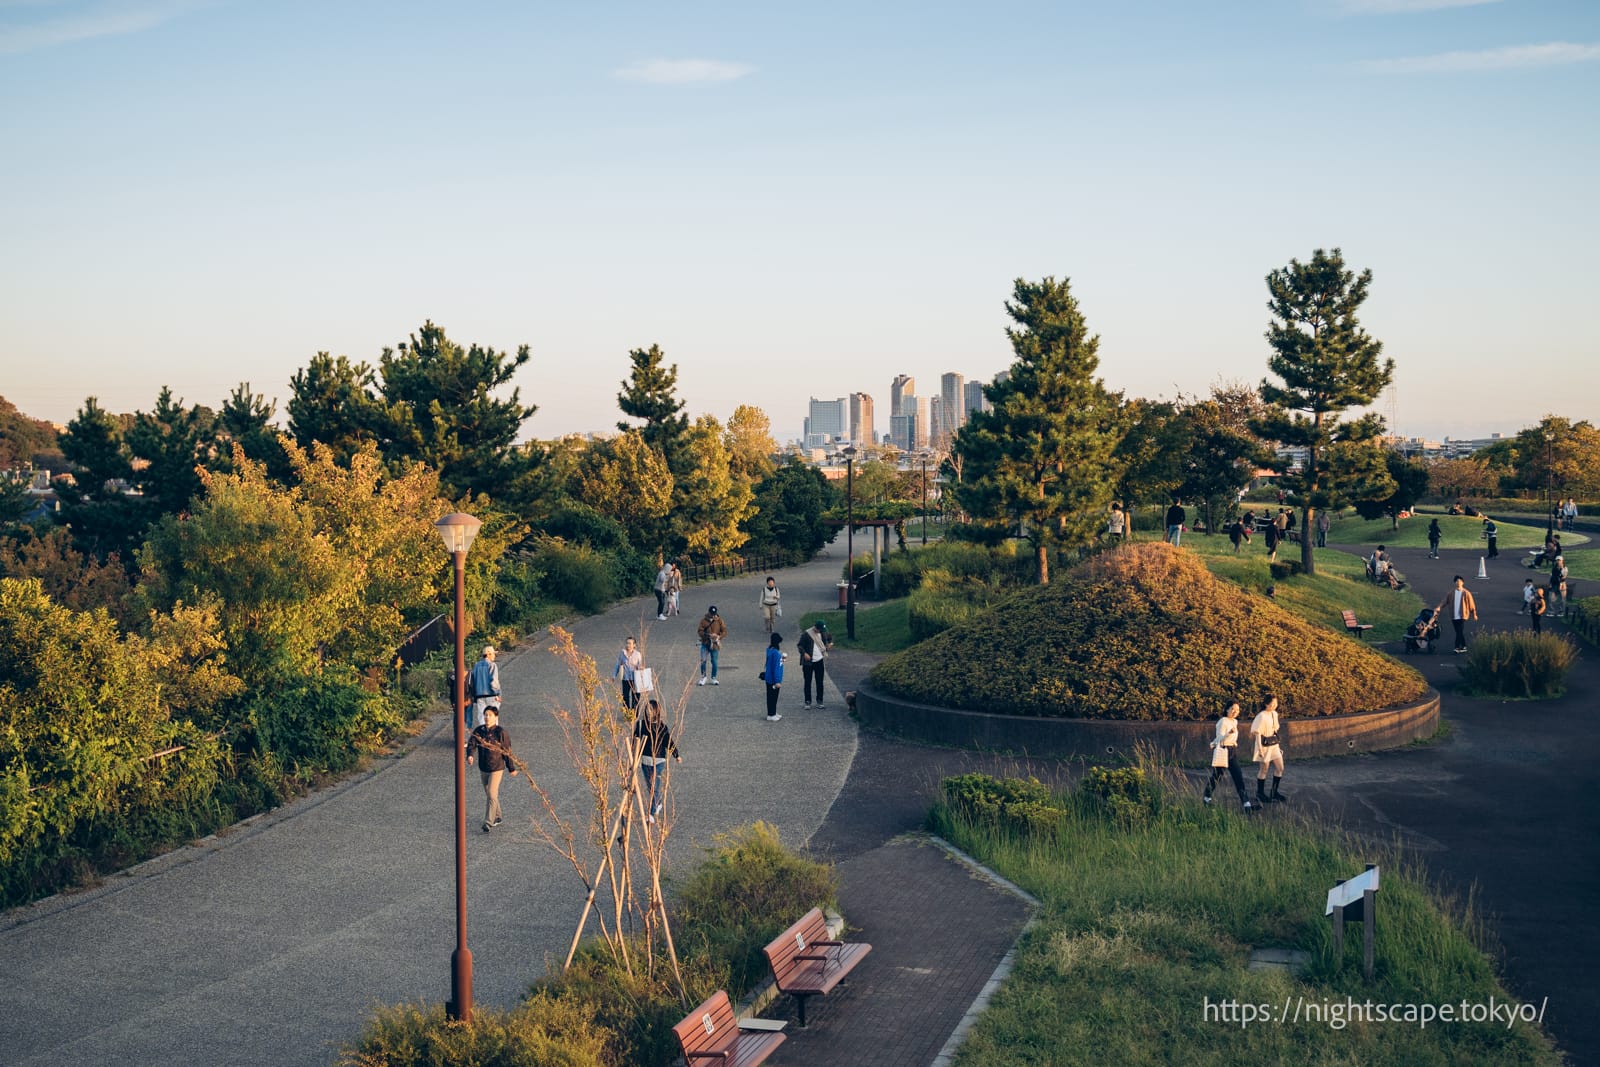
(826, 422)
(974, 399)
(902, 387)
(936, 434)
(902, 430)
(861, 429)
(920, 431)
(952, 406)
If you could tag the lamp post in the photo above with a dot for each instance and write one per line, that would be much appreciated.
(458, 530)
(850, 541)
(924, 500)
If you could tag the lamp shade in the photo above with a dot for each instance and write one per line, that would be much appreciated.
(458, 530)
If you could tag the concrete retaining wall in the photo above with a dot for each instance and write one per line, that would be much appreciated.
(1187, 742)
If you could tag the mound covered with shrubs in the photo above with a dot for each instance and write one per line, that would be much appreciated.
(1144, 632)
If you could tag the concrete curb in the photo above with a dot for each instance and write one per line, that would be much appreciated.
(1061, 738)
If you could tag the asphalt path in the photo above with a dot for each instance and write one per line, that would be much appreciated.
(272, 942)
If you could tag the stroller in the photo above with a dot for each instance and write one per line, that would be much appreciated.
(1423, 632)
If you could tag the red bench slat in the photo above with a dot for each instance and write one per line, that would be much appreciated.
(806, 961)
(710, 1034)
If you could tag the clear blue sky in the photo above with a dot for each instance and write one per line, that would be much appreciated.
(791, 199)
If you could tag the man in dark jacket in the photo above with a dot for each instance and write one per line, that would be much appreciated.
(490, 745)
(1176, 517)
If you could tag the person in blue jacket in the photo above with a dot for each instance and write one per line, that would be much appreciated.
(773, 675)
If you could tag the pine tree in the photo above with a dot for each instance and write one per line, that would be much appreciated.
(1045, 456)
(650, 393)
(1327, 364)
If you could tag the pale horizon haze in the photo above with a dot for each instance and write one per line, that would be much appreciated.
(793, 201)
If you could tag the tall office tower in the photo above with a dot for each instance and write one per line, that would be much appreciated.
(952, 406)
(861, 432)
(902, 429)
(920, 430)
(937, 434)
(826, 422)
(974, 398)
(902, 387)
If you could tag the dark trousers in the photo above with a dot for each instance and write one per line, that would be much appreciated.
(1233, 769)
(661, 601)
(630, 695)
(1493, 550)
(1536, 618)
(813, 670)
(1461, 632)
(772, 699)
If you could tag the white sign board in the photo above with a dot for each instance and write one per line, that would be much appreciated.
(1351, 891)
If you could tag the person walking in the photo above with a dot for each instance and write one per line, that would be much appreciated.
(771, 603)
(711, 631)
(1266, 730)
(773, 675)
(1224, 756)
(483, 686)
(663, 578)
(629, 661)
(1272, 542)
(1459, 608)
(1558, 585)
(654, 742)
(1324, 524)
(1435, 535)
(1491, 534)
(1236, 534)
(1118, 522)
(1537, 608)
(1176, 517)
(814, 644)
(1527, 597)
(490, 746)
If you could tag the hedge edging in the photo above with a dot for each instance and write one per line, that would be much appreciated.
(1187, 742)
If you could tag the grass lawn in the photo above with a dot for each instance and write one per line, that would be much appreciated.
(1460, 531)
(1145, 924)
(880, 628)
(1340, 583)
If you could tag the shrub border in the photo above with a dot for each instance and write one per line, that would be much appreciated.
(1099, 739)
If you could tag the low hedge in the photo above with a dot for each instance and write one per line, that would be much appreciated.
(1519, 664)
(1143, 632)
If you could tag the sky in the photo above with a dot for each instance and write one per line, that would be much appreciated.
(792, 200)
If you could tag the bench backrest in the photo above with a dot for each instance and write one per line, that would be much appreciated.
(712, 1027)
(1349, 618)
(811, 928)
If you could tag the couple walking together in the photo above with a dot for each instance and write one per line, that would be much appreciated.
(1266, 731)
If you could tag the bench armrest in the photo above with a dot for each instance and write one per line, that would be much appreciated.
(723, 1055)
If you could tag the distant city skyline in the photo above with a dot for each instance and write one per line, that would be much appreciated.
(792, 202)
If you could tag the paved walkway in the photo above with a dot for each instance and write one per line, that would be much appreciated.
(270, 944)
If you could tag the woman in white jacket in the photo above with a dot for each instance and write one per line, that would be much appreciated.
(1266, 728)
(1224, 755)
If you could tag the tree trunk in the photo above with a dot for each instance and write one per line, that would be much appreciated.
(1042, 554)
(1308, 561)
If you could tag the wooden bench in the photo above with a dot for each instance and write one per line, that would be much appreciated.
(711, 1032)
(1351, 625)
(807, 962)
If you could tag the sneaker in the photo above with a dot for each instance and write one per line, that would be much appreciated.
(821, 707)
(1249, 806)
(715, 682)
(660, 618)
(808, 703)
(702, 681)
(1206, 800)
(657, 810)
(651, 819)
(774, 718)
(485, 827)
(497, 822)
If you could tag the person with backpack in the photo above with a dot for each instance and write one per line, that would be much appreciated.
(654, 742)
(711, 631)
(814, 645)
(771, 603)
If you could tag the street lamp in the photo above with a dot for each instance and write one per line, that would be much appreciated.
(458, 530)
(924, 500)
(850, 541)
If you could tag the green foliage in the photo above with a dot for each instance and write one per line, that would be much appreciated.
(709, 504)
(1044, 456)
(574, 574)
(1171, 906)
(942, 601)
(1126, 794)
(650, 394)
(997, 565)
(540, 1032)
(1518, 664)
(1557, 454)
(789, 505)
(1021, 805)
(747, 890)
(1143, 632)
(1583, 618)
(71, 578)
(25, 441)
(1408, 479)
(321, 724)
(1326, 363)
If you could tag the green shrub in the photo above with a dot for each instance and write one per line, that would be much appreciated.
(541, 1032)
(323, 724)
(745, 893)
(1142, 632)
(1124, 793)
(943, 601)
(575, 574)
(1583, 618)
(519, 593)
(636, 1012)
(1025, 805)
(1517, 664)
